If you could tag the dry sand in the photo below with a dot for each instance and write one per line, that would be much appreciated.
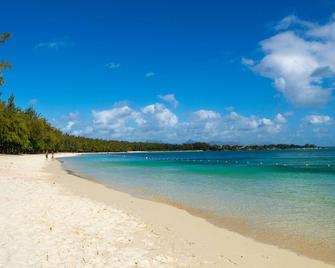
(49, 218)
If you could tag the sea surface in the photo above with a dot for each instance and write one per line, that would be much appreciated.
(283, 197)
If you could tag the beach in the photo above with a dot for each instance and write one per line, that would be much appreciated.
(50, 218)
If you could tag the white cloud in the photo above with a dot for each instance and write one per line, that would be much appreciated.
(207, 114)
(318, 119)
(88, 129)
(299, 60)
(116, 118)
(155, 122)
(69, 126)
(113, 65)
(121, 122)
(292, 20)
(150, 109)
(73, 115)
(53, 45)
(265, 122)
(164, 116)
(208, 125)
(326, 32)
(170, 98)
(280, 118)
(150, 74)
(73, 124)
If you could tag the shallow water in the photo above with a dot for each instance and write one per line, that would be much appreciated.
(288, 194)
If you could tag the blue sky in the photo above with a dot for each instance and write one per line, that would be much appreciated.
(242, 72)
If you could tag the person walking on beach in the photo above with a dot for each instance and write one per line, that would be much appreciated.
(46, 155)
(52, 154)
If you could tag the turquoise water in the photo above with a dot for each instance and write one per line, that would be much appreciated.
(288, 192)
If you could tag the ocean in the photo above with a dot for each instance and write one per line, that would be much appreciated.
(283, 197)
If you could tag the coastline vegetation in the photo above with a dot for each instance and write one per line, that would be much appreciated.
(26, 131)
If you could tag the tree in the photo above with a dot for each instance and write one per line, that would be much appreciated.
(4, 64)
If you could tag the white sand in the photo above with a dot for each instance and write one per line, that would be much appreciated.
(51, 219)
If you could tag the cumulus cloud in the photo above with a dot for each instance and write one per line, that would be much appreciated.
(207, 114)
(73, 124)
(208, 125)
(280, 118)
(326, 32)
(164, 116)
(122, 122)
(170, 98)
(318, 119)
(300, 60)
(117, 120)
(318, 128)
(155, 122)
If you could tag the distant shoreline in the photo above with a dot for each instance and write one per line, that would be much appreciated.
(190, 151)
(177, 151)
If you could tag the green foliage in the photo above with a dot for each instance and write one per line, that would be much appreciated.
(4, 64)
(4, 37)
(13, 128)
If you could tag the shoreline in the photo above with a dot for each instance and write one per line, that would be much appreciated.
(215, 222)
(241, 226)
(51, 218)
